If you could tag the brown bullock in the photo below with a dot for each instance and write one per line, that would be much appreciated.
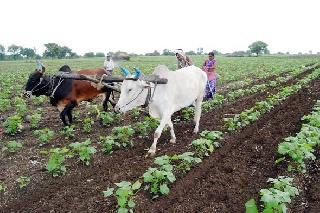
(66, 94)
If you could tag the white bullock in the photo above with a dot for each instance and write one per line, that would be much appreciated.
(184, 87)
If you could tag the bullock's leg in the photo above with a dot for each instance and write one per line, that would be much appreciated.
(107, 99)
(197, 113)
(63, 117)
(157, 134)
(69, 109)
(173, 136)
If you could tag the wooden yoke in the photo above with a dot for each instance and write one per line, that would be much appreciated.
(109, 79)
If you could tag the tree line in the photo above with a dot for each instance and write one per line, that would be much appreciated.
(53, 50)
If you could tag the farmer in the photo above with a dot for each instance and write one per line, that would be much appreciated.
(39, 65)
(209, 67)
(108, 64)
(183, 60)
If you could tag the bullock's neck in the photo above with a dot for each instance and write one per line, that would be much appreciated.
(149, 94)
(46, 86)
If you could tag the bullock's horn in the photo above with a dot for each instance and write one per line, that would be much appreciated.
(125, 71)
(138, 72)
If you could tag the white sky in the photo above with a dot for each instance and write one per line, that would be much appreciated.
(146, 25)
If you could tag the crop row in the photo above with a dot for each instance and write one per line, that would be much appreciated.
(250, 115)
(297, 149)
(161, 176)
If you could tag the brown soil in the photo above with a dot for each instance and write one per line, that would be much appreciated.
(235, 173)
(240, 167)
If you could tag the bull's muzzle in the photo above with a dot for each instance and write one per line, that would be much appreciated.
(117, 109)
(27, 94)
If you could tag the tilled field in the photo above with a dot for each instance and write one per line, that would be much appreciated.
(223, 182)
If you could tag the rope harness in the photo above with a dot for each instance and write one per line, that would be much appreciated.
(148, 98)
(50, 82)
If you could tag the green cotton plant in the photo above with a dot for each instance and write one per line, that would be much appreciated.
(301, 147)
(87, 124)
(23, 181)
(2, 188)
(44, 135)
(108, 144)
(83, 150)
(136, 113)
(185, 161)
(144, 127)
(57, 157)
(34, 120)
(12, 146)
(212, 103)
(13, 124)
(158, 179)
(211, 135)
(107, 118)
(187, 113)
(68, 132)
(275, 198)
(203, 147)
(125, 190)
(38, 101)
(4, 104)
(122, 135)
(21, 106)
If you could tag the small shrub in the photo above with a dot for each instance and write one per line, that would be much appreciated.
(108, 144)
(13, 124)
(68, 131)
(34, 120)
(87, 124)
(23, 181)
(12, 146)
(57, 156)
(44, 135)
(83, 150)
(122, 135)
(123, 193)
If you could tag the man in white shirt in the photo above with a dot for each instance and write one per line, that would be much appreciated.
(108, 64)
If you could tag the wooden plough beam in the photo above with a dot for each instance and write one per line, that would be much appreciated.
(107, 80)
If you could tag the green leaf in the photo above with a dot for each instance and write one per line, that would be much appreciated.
(108, 192)
(136, 185)
(251, 206)
(164, 189)
(131, 204)
(122, 210)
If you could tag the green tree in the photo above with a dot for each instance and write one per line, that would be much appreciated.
(155, 53)
(27, 52)
(167, 52)
(52, 50)
(191, 52)
(258, 47)
(64, 52)
(89, 55)
(2, 52)
(14, 51)
(100, 54)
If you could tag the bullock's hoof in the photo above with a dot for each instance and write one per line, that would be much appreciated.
(172, 140)
(150, 154)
